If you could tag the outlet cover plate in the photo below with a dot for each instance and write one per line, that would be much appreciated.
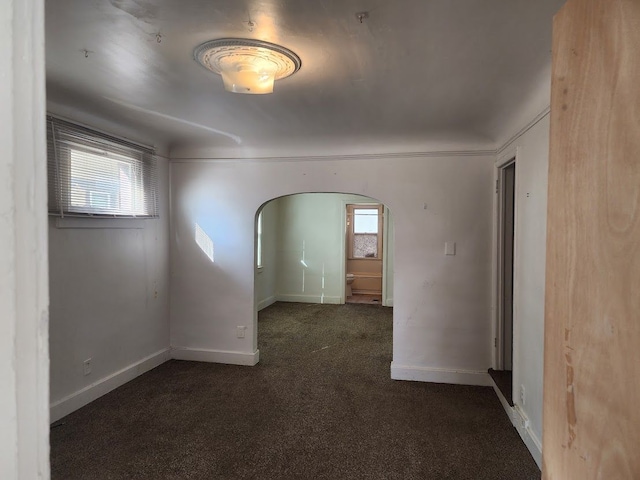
(86, 365)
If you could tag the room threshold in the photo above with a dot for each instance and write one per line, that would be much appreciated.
(364, 298)
(504, 381)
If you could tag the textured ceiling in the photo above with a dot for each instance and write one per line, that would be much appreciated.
(414, 69)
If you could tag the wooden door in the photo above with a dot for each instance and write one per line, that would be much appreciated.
(592, 316)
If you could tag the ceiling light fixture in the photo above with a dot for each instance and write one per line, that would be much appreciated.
(247, 66)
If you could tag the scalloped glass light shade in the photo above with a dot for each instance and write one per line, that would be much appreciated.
(247, 66)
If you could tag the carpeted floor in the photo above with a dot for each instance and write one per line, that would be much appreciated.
(319, 405)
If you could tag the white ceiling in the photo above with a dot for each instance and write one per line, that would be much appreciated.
(415, 69)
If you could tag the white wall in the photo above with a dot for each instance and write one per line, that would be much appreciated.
(109, 301)
(312, 227)
(531, 150)
(442, 321)
(24, 425)
(266, 276)
(310, 232)
(317, 221)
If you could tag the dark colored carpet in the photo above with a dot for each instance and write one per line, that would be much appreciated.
(319, 405)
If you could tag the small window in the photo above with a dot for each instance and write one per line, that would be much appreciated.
(91, 173)
(365, 220)
(259, 242)
(364, 231)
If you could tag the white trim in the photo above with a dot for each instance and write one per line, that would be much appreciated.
(88, 394)
(439, 375)
(343, 254)
(264, 303)
(507, 408)
(215, 356)
(385, 253)
(523, 130)
(97, 222)
(523, 426)
(369, 156)
(175, 158)
(532, 442)
(290, 297)
(385, 248)
(388, 302)
(509, 157)
(521, 423)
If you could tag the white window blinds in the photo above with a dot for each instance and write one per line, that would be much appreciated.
(91, 173)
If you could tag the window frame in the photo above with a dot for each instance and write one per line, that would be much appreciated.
(64, 137)
(351, 229)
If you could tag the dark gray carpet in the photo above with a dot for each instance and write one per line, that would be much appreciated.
(319, 405)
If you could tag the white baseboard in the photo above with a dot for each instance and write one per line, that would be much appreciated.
(266, 302)
(439, 375)
(507, 408)
(388, 302)
(308, 299)
(521, 423)
(215, 356)
(532, 442)
(88, 394)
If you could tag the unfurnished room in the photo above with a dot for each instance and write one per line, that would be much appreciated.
(320, 239)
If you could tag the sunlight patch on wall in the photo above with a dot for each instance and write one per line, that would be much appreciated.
(304, 264)
(204, 242)
(322, 294)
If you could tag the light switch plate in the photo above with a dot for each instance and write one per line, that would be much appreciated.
(450, 248)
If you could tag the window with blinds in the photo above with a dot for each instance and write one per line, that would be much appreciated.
(91, 173)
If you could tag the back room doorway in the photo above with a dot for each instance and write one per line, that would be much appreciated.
(503, 375)
(364, 253)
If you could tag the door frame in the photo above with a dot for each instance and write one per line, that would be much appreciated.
(507, 158)
(343, 248)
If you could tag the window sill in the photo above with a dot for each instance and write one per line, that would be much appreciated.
(89, 222)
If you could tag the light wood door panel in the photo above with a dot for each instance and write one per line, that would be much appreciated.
(592, 310)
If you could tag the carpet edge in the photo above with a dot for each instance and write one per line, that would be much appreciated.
(78, 399)
(439, 375)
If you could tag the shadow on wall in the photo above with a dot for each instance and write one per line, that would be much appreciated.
(300, 249)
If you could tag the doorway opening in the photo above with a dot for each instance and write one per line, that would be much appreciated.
(364, 253)
(301, 268)
(302, 249)
(503, 375)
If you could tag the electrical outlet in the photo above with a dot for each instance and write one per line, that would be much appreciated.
(240, 331)
(522, 397)
(87, 366)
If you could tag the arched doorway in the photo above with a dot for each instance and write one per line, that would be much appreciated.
(302, 254)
